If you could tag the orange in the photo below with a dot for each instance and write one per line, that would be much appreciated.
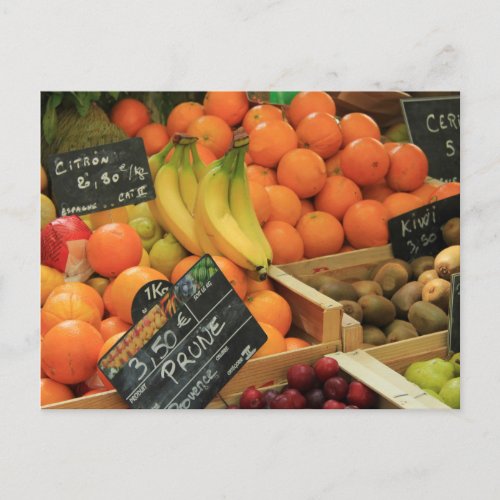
(205, 154)
(93, 391)
(274, 344)
(305, 103)
(333, 164)
(258, 286)
(85, 291)
(248, 159)
(67, 306)
(389, 146)
(285, 204)
(293, 343)
(307, 207)
(234, 274)
(303, 171)
(44, 181)
(262, 175)
(182, 116)
(106, 298)
(320, 133)
(346, 248)
(445, 191)
(108, 344)
(50, 278)
(261, 113)
(285, 241)
(378, 192)
(269, 141)
(155, 137)
(365, 161)
(125, 287)
(409, 168)
(269, 307)
(230, 106)
(112, 326)
(365, 224)
(424, 192)
(338, 194)
(182, 267)
(53, 392)
(130, 115)
(400, 203)
(260, 200)
(113, 248)
(321, 233)
(357, 125)
(70, 350)
(212, 132)
(119, 214)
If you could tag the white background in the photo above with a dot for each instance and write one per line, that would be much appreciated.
(282, 45)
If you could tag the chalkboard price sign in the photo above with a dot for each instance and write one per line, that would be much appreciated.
(454, 314)
(418, 233)
(147, 296)
(100, 178)
(187, 347)
(434, 125)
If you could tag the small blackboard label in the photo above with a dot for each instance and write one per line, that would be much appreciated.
(434, 125)
(100, 178)
(187, 347)
(454, 314)
(418, 233)
(147, 296)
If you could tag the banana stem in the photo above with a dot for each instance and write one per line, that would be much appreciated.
(178, 155)
(194, 153)
(228, 162)
(161, 155)
(184, 139)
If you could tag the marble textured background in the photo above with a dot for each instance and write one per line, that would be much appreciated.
(259, 45)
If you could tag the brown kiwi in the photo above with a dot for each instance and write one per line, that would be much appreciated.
(451, 231)
(401, 334)
(338, 290)
(427, 318)
(391, 277)
(437, 292)
(318, 280)
(405, 264)
(367, 287)
(377, 310)
(399, 325)
(405, 297)
(373, 335)
(421, 264)
(353, 309)
(426, 276)
(447, 262)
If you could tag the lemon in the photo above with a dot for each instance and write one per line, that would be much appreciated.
(139, 210)
(44, 181)
(47, 210)
(166, 253)
(99, 284)
(87, 220)
(148, 230)
(49, 279)
(145, 261)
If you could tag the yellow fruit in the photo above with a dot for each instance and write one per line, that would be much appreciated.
(49, 279)
(44, 181)
(119, 214)
(88, 222)
(47, 210)
(139, 210)
(99, 284)
(166, 253)
(145, 261)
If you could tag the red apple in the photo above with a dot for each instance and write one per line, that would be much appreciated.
(335, 388)
(298, 400)
(326, 368)
(361, 396)
(300, 377)
(331, 404)
(251, 399)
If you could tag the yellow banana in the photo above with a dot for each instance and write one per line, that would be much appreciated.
(157, 160)
(172, 212)
(221, 226)
(241, 205)
(188, 183)
(200, 169)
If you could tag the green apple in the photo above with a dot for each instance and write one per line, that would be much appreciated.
(433, 393)
(432, 374)
(455, 359)
(450, 393)
(397, 133)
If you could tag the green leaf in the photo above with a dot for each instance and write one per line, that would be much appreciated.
(83, 101)
(49, 120)
(114, 95)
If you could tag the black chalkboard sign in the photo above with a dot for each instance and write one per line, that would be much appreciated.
(147, 296)
(434, 125)
(418, 233)
(187, 347)
(454, 314)
(100, 178)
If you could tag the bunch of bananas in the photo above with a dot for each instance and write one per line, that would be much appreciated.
(209, 208)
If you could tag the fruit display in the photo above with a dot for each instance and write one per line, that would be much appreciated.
(254, 185)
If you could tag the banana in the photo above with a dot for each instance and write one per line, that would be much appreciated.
(200, 169)
(172, 212)
(241, 205)
(221, 226)
(188, 184)
(157, 160)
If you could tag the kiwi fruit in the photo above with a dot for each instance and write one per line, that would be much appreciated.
(353, 309)
(318, 280)
(338, 290)
(367, 287)
(400, 325)
(403, 263)
(427, 317)
(401, 334)
(451, 231)
(426, 276)
(391, 277)
(377, 310)
(405, 297)
(447, 262)
(373, 335)
(437, 292)
(421, 264)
